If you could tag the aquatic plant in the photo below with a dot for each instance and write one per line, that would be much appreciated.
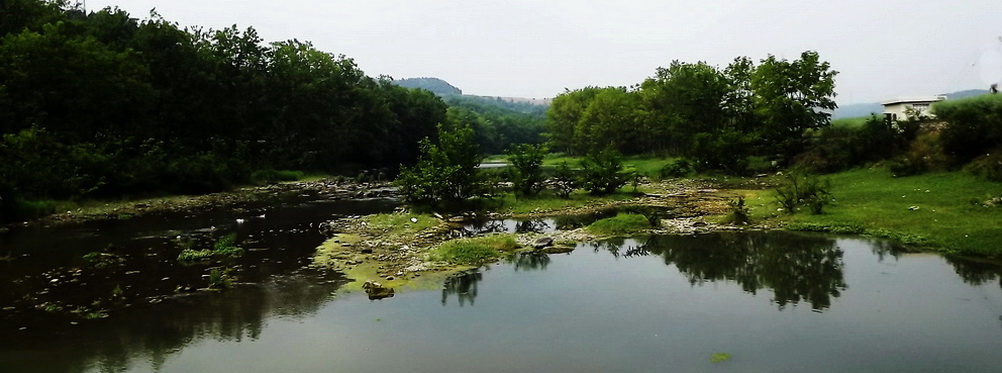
(226, 245)
(720, 357)
(220, 278)
(189, 255)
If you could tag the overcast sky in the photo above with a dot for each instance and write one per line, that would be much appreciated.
(882, 48)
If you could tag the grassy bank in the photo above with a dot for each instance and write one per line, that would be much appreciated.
(944, 211)
(645, 165)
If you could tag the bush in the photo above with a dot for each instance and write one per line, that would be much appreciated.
(602, 172)
(974, 125)
(564, 180)
(678, 168)
(988, 166)
(444, 173)
(739, 213)
(804, 190)
(525, 172)
(924, 154)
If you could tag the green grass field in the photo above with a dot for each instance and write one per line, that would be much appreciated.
(644, 164)
(944, 211)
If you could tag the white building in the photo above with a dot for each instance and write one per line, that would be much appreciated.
(896, 109)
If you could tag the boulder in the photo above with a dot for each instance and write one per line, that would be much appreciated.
(376, 290)
(543, 242)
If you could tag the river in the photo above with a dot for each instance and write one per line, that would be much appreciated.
(742, 302)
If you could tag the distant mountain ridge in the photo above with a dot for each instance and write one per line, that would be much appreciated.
(867, 108)
(443, 89)
(435, 85)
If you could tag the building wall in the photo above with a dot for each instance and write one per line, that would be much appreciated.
(897, 111)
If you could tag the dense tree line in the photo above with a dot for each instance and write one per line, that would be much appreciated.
(718, 117)
(499, 124)
(103, 104)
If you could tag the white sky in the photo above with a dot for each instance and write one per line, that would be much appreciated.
(882, 48)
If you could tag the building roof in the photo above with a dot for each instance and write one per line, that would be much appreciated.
(914, 100)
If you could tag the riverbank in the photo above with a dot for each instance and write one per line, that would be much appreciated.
(948, 212)
(329, 188)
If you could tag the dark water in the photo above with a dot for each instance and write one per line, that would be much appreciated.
(49, 283)
(775, 302)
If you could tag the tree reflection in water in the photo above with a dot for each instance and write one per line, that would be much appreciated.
(796, 268)
(530, 261)
(116, 344)
(975, 271)
(463, 285)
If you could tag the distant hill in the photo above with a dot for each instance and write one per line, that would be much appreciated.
(865, 109)
(858, 110)
(445, 90)
(435, 85)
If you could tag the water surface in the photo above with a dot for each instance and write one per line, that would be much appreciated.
(775, 302)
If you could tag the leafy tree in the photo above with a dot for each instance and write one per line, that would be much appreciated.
(792, 97)
(602, 172)
(565, 112)
(526, 168)
(445, 172)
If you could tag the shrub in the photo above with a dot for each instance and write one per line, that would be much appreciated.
(924, 154)
(678, 168)
(564, 180)
(974, 125)
(739, 213)
(602, 172)
(804, 190)
(525, 172)
(988, 166)
(446, 172)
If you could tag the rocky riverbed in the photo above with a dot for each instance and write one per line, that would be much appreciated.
(371, 254)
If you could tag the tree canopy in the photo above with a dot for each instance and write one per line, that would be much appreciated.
(715, 116)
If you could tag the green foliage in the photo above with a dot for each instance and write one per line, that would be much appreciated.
(924, 154)
(988, 166)
(226, 246)
(220, 279)
(103, 105)
(619, 224)
(272, 176)
(716, 117)
(564, 180)
(803, 190)
(602, 172)
(189, 255)
(400, 224)
(974, 125)
(474, 251)
(501, 124)
(872, 198)
(675, 169)
(720, 357)
(526, 172)
(446, 172)
(738, 213)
